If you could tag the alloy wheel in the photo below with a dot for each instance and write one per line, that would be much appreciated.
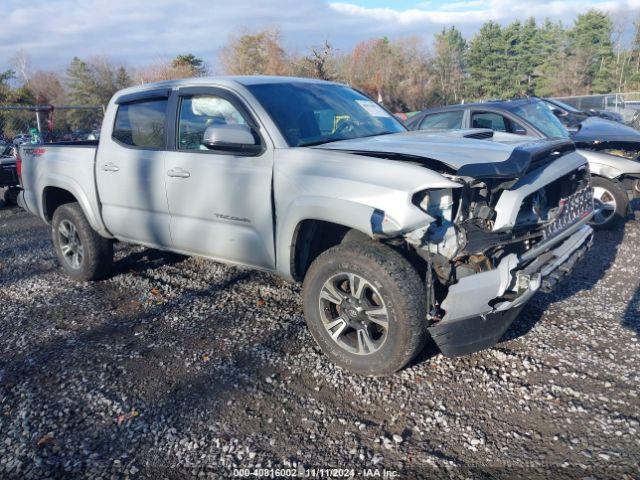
(605, 205)
(70, 244)
(354, 313)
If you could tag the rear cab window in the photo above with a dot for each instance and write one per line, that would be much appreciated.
(443, 120)
(142, 124)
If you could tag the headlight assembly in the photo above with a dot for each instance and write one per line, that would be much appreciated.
(438, 203)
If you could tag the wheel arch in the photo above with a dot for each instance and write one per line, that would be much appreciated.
(312, 237)
(307, 217)
(57, 191)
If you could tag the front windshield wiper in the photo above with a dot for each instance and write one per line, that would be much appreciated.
(320, 142)
(376, 134)
(329, 140)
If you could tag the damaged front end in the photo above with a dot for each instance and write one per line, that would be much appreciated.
(505, 233)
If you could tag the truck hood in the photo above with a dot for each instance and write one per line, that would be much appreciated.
(453, 152)
(596, 129)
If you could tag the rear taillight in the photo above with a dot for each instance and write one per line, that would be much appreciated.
(19, 166)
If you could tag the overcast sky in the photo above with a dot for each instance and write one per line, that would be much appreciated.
(142, 31)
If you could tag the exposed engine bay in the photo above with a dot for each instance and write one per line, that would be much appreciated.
(465, 239)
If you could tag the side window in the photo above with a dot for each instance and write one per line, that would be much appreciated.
(443, 120)
(199, 112)
(493, 121)
(515, 127)
(142, 124)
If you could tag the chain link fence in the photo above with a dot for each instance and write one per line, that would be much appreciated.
(626, 104)
(49, 123)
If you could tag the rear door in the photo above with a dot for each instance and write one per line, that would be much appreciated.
(130, 170)
(220, 203)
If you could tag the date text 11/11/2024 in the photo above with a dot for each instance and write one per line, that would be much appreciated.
(316, 473)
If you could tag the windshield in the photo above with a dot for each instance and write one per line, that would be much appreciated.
(316, 113)
(557, 103)
(539, 115)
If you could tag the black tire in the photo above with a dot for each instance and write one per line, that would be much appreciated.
(616, 197)
(356, 236)
(97, 252)
(397, 287)
(11, 196)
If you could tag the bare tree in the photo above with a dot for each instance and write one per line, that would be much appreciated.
(395, 73)
(183, 66)
(21, 63)
(259, 53)
(47, 87)
(320, 62)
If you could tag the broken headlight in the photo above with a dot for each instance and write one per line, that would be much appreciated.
(437, 203)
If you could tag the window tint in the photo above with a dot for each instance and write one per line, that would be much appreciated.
(141, 124)
(443, 120)
(489, 120)
(202, 111)
(515, 127)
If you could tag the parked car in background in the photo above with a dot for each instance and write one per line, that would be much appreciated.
(22, 138)
(81, 135)
(615, 178)
(395, 235)
(9, 174)
(571, 117)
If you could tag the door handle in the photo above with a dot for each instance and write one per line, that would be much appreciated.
(178, 172)
(110, 167)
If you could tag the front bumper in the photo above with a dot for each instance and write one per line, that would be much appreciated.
(480, 308)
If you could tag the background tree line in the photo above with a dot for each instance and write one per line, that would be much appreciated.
(523, 58)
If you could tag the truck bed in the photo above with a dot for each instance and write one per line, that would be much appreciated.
(66, 165)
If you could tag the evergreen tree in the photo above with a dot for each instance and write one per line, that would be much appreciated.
(591, 44)
(487, 63)
(190, 63)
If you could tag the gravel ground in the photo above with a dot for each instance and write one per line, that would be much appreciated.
(178, 367)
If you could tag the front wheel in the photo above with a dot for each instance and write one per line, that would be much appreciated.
(82, 252)
(610, 203)
(365, 307)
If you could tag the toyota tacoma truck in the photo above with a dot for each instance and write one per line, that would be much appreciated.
(396, 235)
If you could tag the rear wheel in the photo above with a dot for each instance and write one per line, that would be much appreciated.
(365, 307)
(610, 203)
(82, 252)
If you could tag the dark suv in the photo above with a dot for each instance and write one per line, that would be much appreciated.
(611, 148)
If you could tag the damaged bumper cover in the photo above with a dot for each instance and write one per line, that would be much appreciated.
(480, 308)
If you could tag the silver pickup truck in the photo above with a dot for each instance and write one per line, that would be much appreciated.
(396, 235)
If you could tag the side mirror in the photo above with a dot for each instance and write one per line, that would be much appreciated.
(558, 113)
(237, 139)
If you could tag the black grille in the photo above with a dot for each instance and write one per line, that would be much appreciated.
(558, 205)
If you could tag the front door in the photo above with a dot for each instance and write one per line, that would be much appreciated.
(220, 204)
(130, 172)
